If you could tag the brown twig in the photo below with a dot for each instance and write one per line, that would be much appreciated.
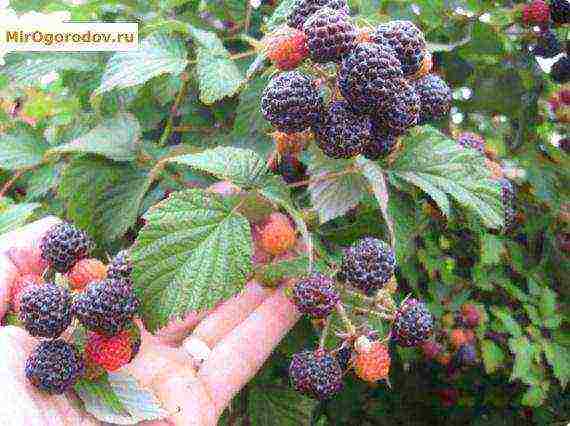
(8, 185)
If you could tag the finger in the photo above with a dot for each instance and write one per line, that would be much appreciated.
(24, 404)
(23, 245)
(8, 275)
(236, 359)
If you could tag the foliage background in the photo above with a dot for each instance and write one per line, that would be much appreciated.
(100, 138)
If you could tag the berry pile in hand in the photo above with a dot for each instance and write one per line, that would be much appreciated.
(366, 272)
(382, 87)
(548, 18)
(91, 295)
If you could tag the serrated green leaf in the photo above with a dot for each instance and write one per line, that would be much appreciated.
(16, 216)
(116, 138)
(21, 150)
(510, 324)
(534, 396)
(524, 352)
(558, 357)
(218, 74)
(273, 273)
(440, 167)
(194, 251)
(29, 68)
(493, 356)
(491, 249)
(279, 406)
(334, 193)
(280, 15)
(375, 176)
(241, 166)
(157, 54)
(103, 197)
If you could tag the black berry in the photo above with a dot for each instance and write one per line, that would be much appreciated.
(413, 324)
(435, 98)
(64, 245)
(303, 9)
(316, 374)
(330, 35)
(315, 295)
(45, 310)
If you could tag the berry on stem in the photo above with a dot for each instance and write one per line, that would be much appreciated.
(413, 324)
(472, 140)
(111, 353)
(315, 295)
(373, 364)
(536, 13)
(330, 35)
(277, 235)
(63, 245)
(45, 310)
(435, 98)
(121, 267)
(316, 374)
(287, 48)
(86, 271)
(560, 11)
(303, 9)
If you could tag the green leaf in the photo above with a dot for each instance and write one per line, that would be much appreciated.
(20, 151)
(279, 406)
(280, 15)
(194, 251)
(558, 357)
(29, 68)
(273, 273)
(334, 192)
(534, 396)
(157, 54)
(524, 352)
(116, 138)
(491, 249)
(377, 180)
(493, 356)
(218, 74)
(440, 167)
(117, 398)
(241, 166)
(511, 325)
(15, 216)
(102, 197)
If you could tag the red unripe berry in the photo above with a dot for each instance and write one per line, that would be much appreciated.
(432, 349)
(86, 271)
(277, 234)
(372, 363)
(287, 48)
(471, 315)
(536, 13)
(111, 353)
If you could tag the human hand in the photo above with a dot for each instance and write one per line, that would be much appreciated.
(241, 333)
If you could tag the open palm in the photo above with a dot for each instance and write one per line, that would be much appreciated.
(240, 332)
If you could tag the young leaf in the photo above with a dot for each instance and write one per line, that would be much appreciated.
(116, 138)
(493, 356)
(16, 216)
(377, 180)
(334, 189)
(157, 54)
(218, 75)
(194, 251)
(20, 150)
(103, 197)
(241, 166)
(440, 167)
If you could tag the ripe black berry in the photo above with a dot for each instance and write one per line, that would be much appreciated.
(370, 77)
(344, 356)
(508, 201)
(291, 102)
(329, 35)
(413, 324)
(472, 141)
(54, 366)
(408, 42)
(547, 45)
(435, 98)
(465, 356)
(560, 11)
(404, 113)
(316, 374)
(342, 133)
(368, 265)
(381, 143)
(560, 72)
(63, 245)
(303, 9)
(45, 310)
(105, 307)
(121, 267)
(315, 295)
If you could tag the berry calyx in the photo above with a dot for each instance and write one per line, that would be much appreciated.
(277, 235)
(413, 324)
(64, 245)
(54, 366)
(45, 310)
(315, 295)
(111, 353)
(373, 364)
(316, 374)
(368, 265)
(86, 271)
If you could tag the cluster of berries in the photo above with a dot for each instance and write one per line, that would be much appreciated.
(559, 105)
(546, 16)
(470, 140)
(99, 297)
(381, 90)
(367, 266)
(455, 347)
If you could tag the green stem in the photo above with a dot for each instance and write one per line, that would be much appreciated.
(324, 333)
(350, 328)
(174, 111)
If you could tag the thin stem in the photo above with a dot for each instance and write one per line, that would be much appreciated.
(174, 112)
(328, 176)
(324, 333)
(346, 321)
(243, 54)
(248, 16)
(375, 313)
(11, 182)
